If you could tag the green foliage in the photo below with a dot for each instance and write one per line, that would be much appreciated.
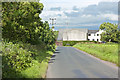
(19, 59)
(71, 43)
(20, 19)
(21, 23)
(111, 33)
(108, 51)
(16, 58)
(48, 37)
(56, 34)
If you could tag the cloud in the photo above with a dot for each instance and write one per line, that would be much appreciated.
(72, 14)
(108, 7)
(91, 10)
(112, 17)
(101, 8)
(75, 8)
(92, 14)
(55, 8)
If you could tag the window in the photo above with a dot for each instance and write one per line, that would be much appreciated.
(89, 34)
(93, 40)
(97, 39)
(97, 34)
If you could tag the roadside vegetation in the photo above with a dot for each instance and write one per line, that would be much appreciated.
(111, 32)
(107, 52)
(28, 42)
(24, 60)
(71, 43)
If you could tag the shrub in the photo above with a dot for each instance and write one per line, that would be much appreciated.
(15, 58)
(71, 43)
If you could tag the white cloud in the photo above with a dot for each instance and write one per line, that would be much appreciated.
(87, 16)
(112, 17)
(110, 0)
(91, 15)
(70, 11)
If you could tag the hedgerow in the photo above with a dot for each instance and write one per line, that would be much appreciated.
(15, 58)
(25, 37)
(71, 43)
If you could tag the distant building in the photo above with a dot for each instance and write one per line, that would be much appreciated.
(79, 35)
(73, 34)
(94, 35)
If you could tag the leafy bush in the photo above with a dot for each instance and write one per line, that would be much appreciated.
(71, 43)
(21, 22)
(15, 58)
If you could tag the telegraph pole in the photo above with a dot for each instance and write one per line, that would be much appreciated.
(53, 19)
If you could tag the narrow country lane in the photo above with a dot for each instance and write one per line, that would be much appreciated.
(68, 62)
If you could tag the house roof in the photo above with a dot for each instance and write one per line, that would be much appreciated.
(92, 31)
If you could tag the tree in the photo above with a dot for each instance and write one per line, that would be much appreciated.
(21, 22)
(110, 33)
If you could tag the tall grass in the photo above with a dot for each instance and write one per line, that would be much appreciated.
(108, 52)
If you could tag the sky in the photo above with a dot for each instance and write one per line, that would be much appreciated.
(80, 13)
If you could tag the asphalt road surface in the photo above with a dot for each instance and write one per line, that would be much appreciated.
(68, 62)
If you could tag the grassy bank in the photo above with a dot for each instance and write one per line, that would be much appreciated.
(38, 70)
(24, 60)
(107, 52)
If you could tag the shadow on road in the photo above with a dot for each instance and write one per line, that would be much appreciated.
(53, 56)
(52, 59)
(56, 52)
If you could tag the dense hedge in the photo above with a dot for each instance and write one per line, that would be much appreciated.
(21, 23)
(16, 58)
(71, 43)
(19, 57)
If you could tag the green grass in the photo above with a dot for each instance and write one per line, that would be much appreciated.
(71, 43)
(38, 70)
(107, 52)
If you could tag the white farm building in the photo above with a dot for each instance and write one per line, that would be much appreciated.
(94, 35)
(79, 35)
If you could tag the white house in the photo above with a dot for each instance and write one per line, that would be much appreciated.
(79, 35)
(94, 35)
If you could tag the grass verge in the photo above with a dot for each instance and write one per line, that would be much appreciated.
(107, 52)
(38, 70)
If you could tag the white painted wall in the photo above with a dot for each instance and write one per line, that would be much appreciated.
(95, 37)
(75, 35)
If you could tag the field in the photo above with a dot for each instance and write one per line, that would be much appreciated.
(107, 52)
